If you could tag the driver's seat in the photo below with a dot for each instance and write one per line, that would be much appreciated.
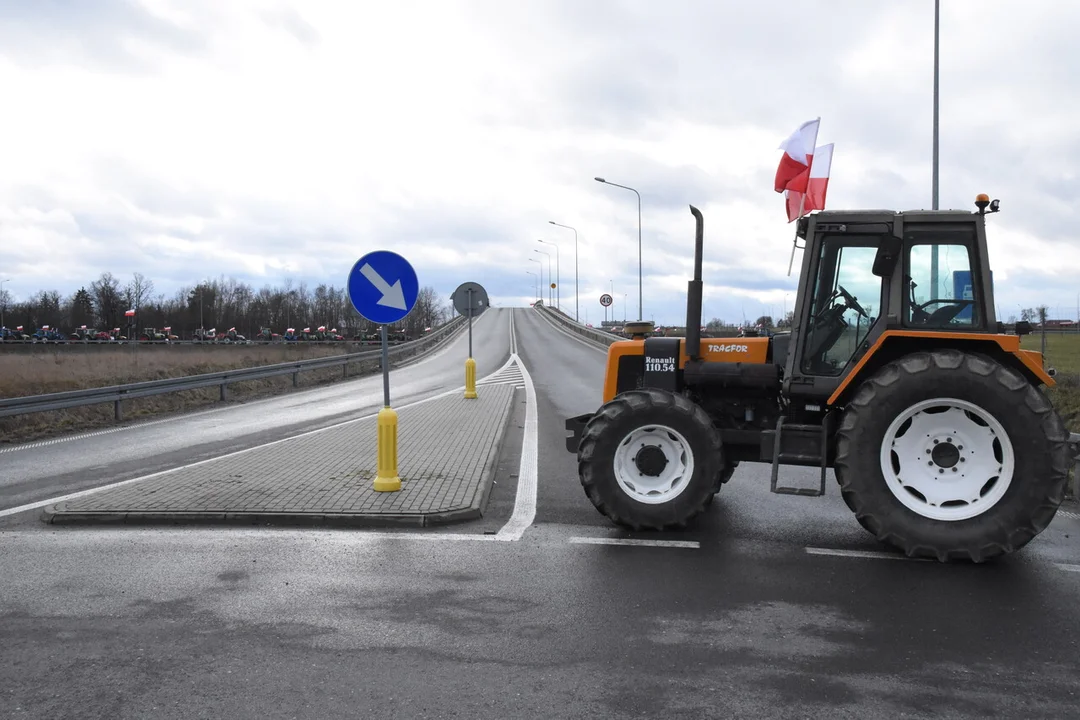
(943, 315)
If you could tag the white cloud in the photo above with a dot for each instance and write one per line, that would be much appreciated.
(272, 139)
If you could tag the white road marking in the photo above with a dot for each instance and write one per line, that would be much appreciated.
(641, 543)
(1069, 514)
(1068, 568)
(871, 554)
(525, 500)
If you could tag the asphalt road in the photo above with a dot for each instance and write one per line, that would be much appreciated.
(770, 607)
(37, 471)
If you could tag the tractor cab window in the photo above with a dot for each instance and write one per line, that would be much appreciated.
(943, 297)
(846, 300)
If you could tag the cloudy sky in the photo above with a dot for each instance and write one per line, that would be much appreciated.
(187, 139)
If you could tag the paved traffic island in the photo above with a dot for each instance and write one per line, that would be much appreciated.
(447, 452)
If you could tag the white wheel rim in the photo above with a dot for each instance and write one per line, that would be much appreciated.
(672, 480)
(964, 477)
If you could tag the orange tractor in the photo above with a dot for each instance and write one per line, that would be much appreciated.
(903, 383)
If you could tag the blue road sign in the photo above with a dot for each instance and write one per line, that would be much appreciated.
(383, 287)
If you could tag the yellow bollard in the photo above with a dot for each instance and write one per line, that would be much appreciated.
(470, 379)
(387, 480)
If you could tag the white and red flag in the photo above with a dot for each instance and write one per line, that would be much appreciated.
(798, 156)
(817, 185)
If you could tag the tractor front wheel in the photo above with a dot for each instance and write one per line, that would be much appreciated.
(950, 455)
(649, 459)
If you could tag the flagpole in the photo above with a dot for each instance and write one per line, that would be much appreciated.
(802, 203)
(802, 198)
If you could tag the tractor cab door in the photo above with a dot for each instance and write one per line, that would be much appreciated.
(838, 311)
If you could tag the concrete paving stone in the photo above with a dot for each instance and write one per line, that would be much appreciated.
(447, 449)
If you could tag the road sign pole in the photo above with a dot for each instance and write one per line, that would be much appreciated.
(470, 363)
(383, 289)
(386, 479)
(470, 300)
(385, 367)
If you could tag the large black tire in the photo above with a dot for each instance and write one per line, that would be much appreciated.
(1036, 433)
(612, 425)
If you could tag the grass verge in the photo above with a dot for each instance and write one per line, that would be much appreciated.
(1063, 354)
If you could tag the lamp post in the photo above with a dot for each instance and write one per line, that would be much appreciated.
(545, 252)
(3, 301)
(537, 261)
(934, 172)
(536, 285)
(558, 274)
(577, 293)
(611, 291)
(624, 187)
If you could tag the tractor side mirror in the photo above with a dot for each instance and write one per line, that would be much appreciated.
(887, 255)
(1023, 327)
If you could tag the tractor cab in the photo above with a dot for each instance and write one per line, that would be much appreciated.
(876, 284)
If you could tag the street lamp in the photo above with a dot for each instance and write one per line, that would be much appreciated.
(558, 275)
(624, 187)
(3, 301)
(545, 252)
(577, 294)
(536, 288)
(934, 172)
(537, 261)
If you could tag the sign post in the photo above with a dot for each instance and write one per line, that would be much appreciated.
(606, 301)
(470, 300)
(383, 288)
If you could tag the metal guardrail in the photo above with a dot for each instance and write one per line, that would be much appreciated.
(116, 394)
(597, 336)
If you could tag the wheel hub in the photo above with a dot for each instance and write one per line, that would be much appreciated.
(650, 460)
(944, 454)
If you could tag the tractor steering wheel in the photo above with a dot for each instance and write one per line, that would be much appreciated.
(852, 302)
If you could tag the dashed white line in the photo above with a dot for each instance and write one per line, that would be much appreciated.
(1067, 567)
(635, 543)
(870, 554)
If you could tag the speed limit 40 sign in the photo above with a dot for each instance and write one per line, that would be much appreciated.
(605, 300)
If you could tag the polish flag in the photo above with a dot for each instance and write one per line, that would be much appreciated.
(798, 156)
(817, 186)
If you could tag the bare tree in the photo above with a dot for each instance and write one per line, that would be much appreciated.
(139, 290)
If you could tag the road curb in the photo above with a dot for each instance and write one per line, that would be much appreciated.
(483, 490)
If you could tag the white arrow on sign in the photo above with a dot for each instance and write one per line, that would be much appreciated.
(392, 296)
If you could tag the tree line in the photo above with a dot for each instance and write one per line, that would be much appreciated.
(221, 304)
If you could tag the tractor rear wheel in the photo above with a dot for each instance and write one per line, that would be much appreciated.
(951, 455)
(649, 459)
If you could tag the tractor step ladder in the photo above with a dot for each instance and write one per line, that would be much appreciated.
(778, 457)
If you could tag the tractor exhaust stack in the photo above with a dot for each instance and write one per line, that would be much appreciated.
(693, 291)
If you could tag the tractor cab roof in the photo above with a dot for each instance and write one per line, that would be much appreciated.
(826, 217)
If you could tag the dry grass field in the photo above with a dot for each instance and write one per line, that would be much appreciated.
(40, 370)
